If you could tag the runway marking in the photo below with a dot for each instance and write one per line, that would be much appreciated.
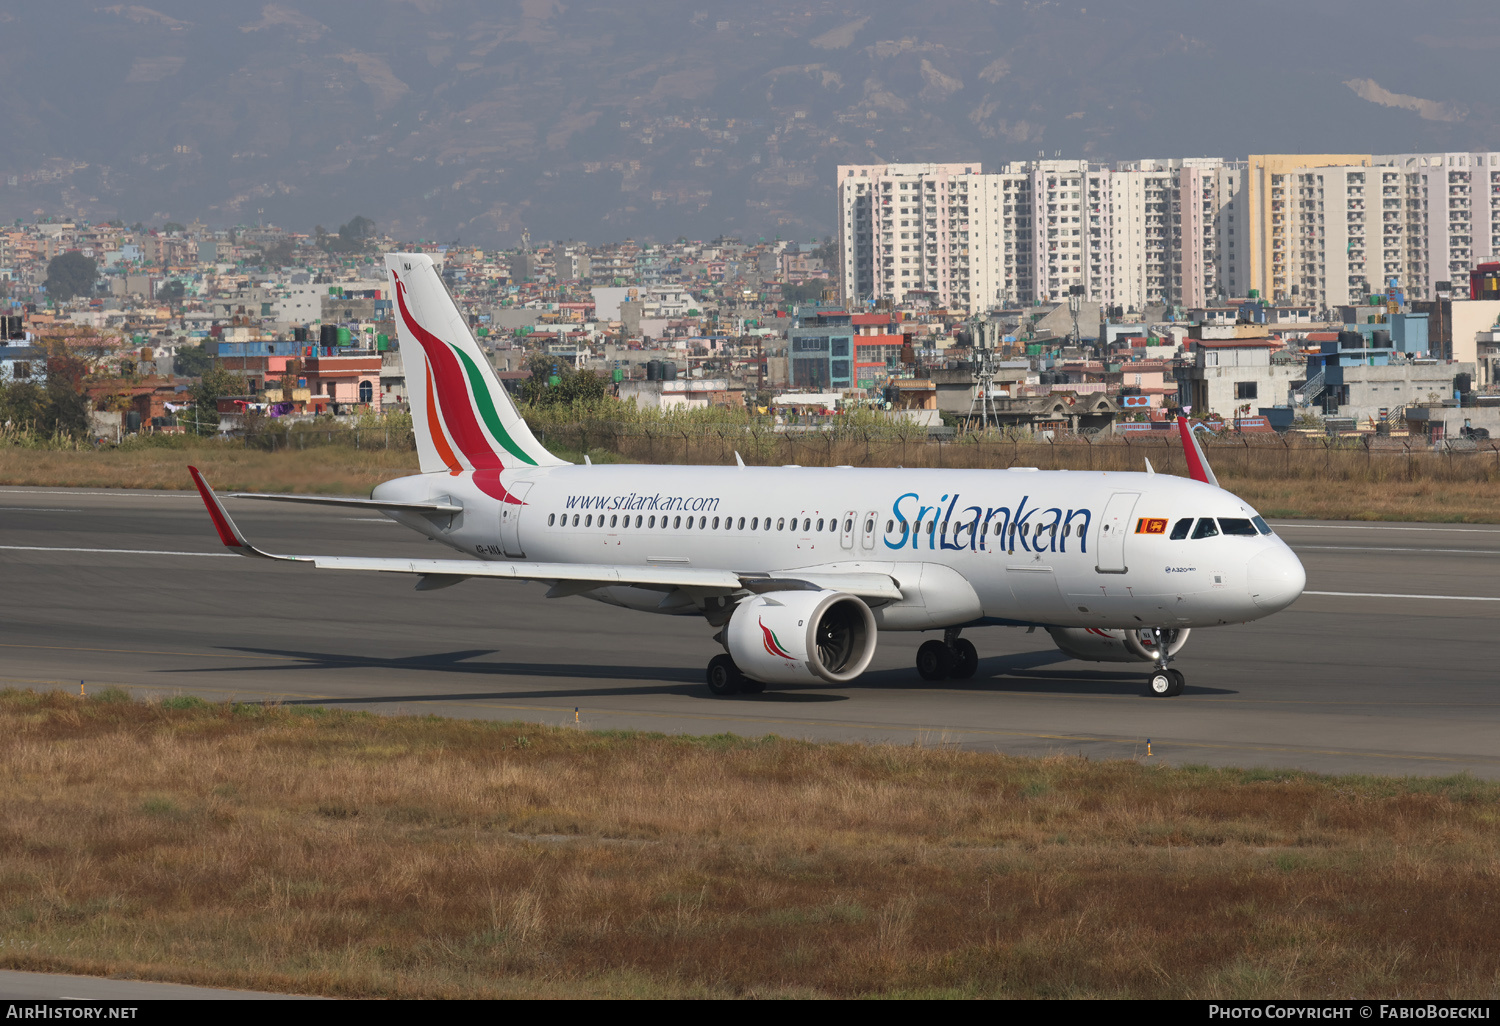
(1397, 595)
(36, 509)
(372, 520)
(1392, 548)
(1359, 527)
(785, 722)
(126, 552)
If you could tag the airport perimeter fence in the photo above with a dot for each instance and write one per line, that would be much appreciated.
(1293, 456)
(1233, 457)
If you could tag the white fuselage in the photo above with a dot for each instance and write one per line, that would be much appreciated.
(1060, 548)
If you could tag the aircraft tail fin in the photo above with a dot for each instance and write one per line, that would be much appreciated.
(462, 418)
(1198, 468)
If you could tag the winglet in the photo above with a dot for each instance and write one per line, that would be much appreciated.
(229, 534)
(1198, 468)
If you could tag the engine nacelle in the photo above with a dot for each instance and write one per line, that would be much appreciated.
(791, 637)
(1100, 645)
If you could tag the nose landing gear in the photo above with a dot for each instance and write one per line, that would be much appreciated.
(953, 658)
(1164, 682)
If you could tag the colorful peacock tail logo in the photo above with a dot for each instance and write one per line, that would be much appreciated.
(773, 644)
(452, 373)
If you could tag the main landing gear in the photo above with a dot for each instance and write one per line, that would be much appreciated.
(953, 658)
(1164, 682)
(725, 679)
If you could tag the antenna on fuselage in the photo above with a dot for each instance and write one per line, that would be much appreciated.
(1149, 468)
(737, 458)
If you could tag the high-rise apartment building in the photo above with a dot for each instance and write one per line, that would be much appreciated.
(1323, 230)
(904, 229)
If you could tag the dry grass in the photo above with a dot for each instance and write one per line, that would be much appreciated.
(331, 470)
(349, 854)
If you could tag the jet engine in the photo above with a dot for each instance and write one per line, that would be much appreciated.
(1096, 644)
(789, 637)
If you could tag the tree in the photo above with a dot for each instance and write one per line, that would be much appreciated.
(359, 229)
(808, 292)
(171, 293)
(70, 274)
(352, 237)
(192, 363)
(173, 226)
(279, 254)
(203, 418)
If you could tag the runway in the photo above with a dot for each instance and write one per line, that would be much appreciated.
(1385, 665)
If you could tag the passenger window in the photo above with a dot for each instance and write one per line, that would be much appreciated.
(742, 523)
(637, 521)
(689, 524)
(1238, 527)
(588, 521)
(754, 523)
(716, 523)
(931, 527)
(1206, 528)
(651, 522)
(613, 521)
(551, 519)
(765, 525)
(849, 526)
(702, 523)
(870, 526)
(806, 523)
(1181, 528)
(781, 524)
(676, 523)
(820, 523)
(1261, 525)
(575, 519)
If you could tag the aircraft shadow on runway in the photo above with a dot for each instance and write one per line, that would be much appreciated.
(1012, 673)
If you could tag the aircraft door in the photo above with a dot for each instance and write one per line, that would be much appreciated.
(510, 521)
(872, 522)
(1113, 526)
(846, 529)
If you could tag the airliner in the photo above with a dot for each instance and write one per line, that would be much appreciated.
(797, 571)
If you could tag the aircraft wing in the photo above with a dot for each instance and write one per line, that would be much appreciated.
(435, 573)
(445, 508)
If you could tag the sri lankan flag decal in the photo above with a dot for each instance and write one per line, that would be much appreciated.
(1151, 525)
(773, 646)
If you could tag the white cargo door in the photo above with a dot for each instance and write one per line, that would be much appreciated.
(872, 525)
(510, 521)
(1113, 526)
(846, 528)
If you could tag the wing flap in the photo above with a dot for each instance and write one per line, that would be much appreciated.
(442, 508)
(601, 574)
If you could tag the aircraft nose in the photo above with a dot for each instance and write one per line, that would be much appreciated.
(1276, 578)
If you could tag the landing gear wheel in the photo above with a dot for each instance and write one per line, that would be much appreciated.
(1179, 682)
(1161, 683)
(724, 678)
(751, 687)
(934, 660)
(965, 659)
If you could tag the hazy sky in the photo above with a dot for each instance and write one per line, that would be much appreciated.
(597, 120)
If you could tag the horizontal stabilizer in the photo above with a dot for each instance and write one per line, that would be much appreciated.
(443, 508)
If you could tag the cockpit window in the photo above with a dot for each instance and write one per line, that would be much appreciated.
(1261, 525)
(1238, 527)
(1181, 528)
(1206, 528)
